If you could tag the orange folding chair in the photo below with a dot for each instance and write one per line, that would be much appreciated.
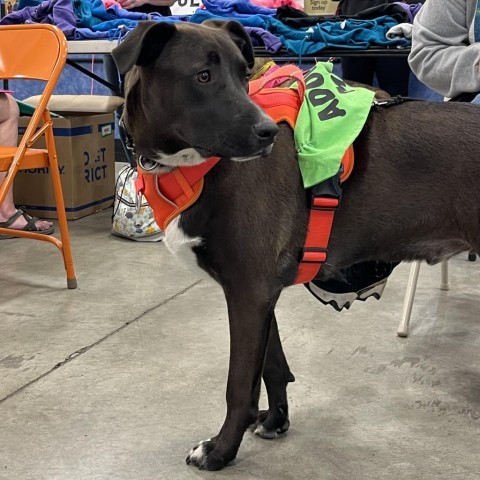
(36, 52)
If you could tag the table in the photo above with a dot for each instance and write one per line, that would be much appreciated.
(283, 56)
(92, 47)
(105, 47)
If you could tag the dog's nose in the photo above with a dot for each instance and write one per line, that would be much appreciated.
(266, 130)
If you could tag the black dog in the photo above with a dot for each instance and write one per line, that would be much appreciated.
(413, 195)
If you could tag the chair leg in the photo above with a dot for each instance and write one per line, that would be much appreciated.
(444, 284)
(62, 221)
(402, 330)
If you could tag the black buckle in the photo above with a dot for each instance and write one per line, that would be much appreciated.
(329, 188)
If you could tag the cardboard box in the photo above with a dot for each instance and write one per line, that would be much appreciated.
(86, 157)
(321, 7)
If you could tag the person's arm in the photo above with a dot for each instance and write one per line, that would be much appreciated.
(442, 55)
(129, 4)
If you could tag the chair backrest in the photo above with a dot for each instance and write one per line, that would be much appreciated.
(33, 52)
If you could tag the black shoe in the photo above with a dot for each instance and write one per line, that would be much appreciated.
(362, 280)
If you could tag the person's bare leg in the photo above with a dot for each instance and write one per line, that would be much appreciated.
(8, 137)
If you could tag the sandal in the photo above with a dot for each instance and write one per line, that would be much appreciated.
(29, 227)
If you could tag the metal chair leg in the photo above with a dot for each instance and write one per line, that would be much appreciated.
(444, 284)
(402, 330)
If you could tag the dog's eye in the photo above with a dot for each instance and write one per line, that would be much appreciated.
(203, 77)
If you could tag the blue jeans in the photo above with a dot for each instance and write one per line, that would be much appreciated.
(476, 100)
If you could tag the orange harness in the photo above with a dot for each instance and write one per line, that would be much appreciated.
(172, 193)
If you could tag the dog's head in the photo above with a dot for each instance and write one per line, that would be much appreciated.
(186, 94)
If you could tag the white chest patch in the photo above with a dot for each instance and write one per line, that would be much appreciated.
(181, 245)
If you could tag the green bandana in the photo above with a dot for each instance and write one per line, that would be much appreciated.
(330, 118)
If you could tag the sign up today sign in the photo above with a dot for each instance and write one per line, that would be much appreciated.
(185, 7)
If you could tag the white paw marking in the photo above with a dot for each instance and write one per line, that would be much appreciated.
(198, 454)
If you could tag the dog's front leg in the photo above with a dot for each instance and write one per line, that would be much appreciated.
(276, 375)
(249, 319)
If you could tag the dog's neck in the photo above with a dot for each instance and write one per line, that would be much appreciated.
(159, 162)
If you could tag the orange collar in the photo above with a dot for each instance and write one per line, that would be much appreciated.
(172, 193)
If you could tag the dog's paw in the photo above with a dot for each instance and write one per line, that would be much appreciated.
(269, 425)
(205, 457)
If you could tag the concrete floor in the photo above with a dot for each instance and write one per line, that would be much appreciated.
(118, 379)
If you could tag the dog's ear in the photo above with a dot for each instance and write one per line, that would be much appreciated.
(238, 35)
(142, 45)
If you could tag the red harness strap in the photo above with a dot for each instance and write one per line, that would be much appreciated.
(283, 104)
(322, 212)
(324, 203)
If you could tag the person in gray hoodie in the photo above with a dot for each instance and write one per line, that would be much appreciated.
(445, 53)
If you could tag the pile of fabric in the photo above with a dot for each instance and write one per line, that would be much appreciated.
(272, 28)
